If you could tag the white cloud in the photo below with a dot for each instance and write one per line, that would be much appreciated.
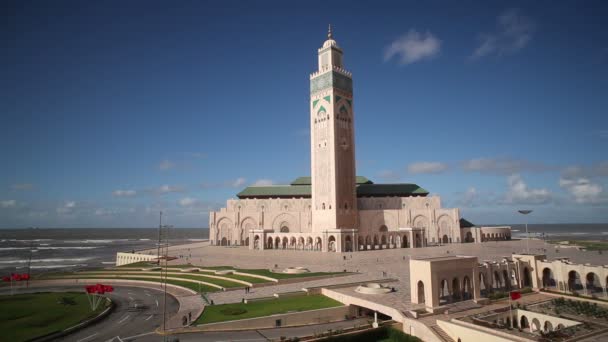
(22, 186)
(519, 193)
(504, 166)
(8, 204)
(238, 182)
(514, 32)
(413, 47)
(469, 197)
(263, 182)
(67, 208)
(187, 201)
(165, 189)
(124, 193)
(582, 189)
(389, 175)
(166, 165)
(426, 167)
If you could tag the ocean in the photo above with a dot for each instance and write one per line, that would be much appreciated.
(82, 248)
(79, 248)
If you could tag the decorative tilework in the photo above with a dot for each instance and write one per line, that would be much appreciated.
(338, 98)
(314, 103)
(327, 98)
(331, 79)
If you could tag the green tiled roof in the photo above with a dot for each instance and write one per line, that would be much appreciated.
(308, 180)
(301, 188)
(399, 189)
(466, 224)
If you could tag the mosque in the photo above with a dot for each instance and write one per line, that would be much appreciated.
(335, 210)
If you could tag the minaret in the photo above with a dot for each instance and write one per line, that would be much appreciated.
(332, 145)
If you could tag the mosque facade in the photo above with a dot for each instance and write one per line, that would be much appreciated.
(334, 210)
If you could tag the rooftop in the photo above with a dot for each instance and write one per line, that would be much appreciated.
(301, 187)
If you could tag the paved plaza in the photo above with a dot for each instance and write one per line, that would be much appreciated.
(367, 266)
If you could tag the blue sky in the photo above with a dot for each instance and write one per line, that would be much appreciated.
(112, 111)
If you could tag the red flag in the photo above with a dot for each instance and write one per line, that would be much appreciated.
(515, 295)
(16, 277)
(99, 289)
(5, 278)
(25, 276)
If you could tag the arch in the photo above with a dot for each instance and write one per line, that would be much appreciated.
(444, 239)
(466, 288)
(277, 242)
(397, 241)
(505, 276)
(368, 242)
(483, 237)
(418, 240)
(548, 279)
(309, 243)
(269, 243)
(593, 283)
(513, 279)
(483, 286)
(535, 325)
(292, 242)
(348, 244)
(318, 244)
(301, 243)
(256, 242)
(404, 242)
(527, 277)
(444, 224)
(224, 242)
(361, 243)
(248, 223)
(375, 242)
(523, 322)
(497, 282)
(383, 241)
(574, 281)
(421, 298)
(247, 241)
(284, 220)
(469, 237)
(331, 244)
(284, 227)
(560, 327)
(444, 292)
(420, 221)
(548, 326)
(383, 228)
(225, 230)
(456, 295)
(285, 242)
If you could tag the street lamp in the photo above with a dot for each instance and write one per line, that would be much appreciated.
(166, 256)
(526, 212)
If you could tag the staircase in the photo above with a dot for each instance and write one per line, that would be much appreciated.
(441, 334)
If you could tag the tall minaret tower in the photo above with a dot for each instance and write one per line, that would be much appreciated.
(332, 145)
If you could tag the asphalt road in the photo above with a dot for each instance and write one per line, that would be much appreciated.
(138, 311)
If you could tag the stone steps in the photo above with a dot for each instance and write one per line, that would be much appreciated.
(441, 333)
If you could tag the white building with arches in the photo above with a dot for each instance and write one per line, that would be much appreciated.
(334, 210)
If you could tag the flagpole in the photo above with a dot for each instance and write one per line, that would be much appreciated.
(510, 311)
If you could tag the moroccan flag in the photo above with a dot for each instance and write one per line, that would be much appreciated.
(515, 295)
(90, 288)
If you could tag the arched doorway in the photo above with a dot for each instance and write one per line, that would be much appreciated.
(505, 276)
(523, 322)
(535, 325)
(284, 229)
(593, 283)
(348, 244)
(361, 243)
(256, 242)
(269, 243)
(483, 287)
(574, 281)
(375, 242)
(318, 244)
(456, 289)
(331, 244)
(527, 278)
(548, 280)
(420, 292)
(444, 239)
(466, 288)
(548, 326)
(224, 242)
(247, 241)
(383, 241)
(277, 242)
(444, 292)
(285, 242)
(469, 237)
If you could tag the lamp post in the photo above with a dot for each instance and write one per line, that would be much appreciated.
(166, 256)
(526, 212)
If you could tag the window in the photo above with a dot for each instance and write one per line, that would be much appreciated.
(323, 206)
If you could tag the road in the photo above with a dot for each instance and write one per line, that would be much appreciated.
(138, 311)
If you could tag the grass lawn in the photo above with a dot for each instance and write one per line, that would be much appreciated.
(252, 280)
(231, 312)
(592, 245)
(193, 276)
(26, 316)
(279, 276)
(186, 284)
